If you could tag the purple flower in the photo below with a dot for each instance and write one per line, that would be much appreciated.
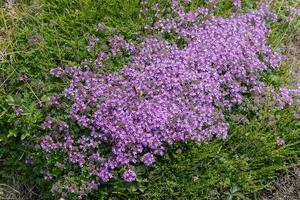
(54, 100)
(297, 115)
(29, 161)
(100, 28)
(92, 41)
(39, 103)
(285, 96)
(22, 77)
(10, 3)
(62, 126)
(118, 43)
(104, 175)
(294, 11)
(72, 188)
(57, 72)
(18, 111)
(280, 141)
(101, 57)
(92, 186)
(48, 176)
(237, 4)
(47, 144)
(76, 157)
(148, 159)
(129, 175)
(47, 124)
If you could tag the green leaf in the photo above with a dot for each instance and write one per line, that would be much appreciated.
(10, 100)
(23, 136)
(240, 195)
(235, 189)
(12, 133)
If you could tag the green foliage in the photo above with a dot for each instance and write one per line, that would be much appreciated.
(36, 36)
(247, 159)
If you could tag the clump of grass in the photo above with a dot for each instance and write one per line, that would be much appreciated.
(8, 192)
(286, 186)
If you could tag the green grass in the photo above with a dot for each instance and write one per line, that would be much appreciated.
(36, 36)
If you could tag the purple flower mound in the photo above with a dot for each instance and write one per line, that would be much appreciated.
(104, 175)
(129, 175)
(148, 159)
(163, 95)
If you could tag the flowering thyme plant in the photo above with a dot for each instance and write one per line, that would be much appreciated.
(163, 95)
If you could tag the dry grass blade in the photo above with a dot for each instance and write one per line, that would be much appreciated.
(8, 193)
(287, 187)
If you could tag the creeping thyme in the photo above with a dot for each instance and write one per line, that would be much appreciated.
(163, 95)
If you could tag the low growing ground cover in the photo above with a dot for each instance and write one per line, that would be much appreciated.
(147, 99)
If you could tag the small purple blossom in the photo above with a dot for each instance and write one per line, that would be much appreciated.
(22, 77)
(92, 186)
(100, 28)
(148, 159)
(101, 57)
(285, 94)
(96, 157)
(258, 89)
(54, 100)
(76, 157)
(211, 1)
(18, 111)
(48, 176)
(104, 175)
(47, 124)
(10, 3)
(72, 188)
(47, 144)
(294, 11)
(280, 141)
(57, 72)
(297, 115)
(118, 43)
(92, 41)
(129, 175)
(29, 161)
(39, 103)
(237, 4)
(62, 126)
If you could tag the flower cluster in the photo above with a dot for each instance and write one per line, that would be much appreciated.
(237, 4)
(118, 43)
(280, 141)
(92, 41)
(22, 77)
(129, 175)
(19, 111)
(163, 95)
(294, 11)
